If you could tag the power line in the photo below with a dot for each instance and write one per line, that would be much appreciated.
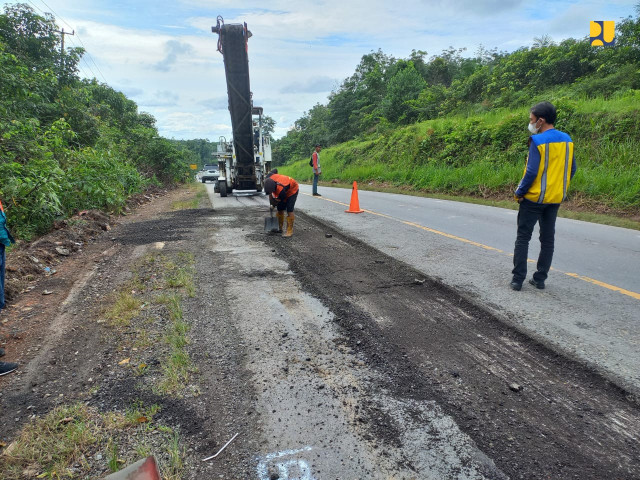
(92, 61)
(86, 63)
(82, 58)
(56, 15)
(86, 51)
(36, 7)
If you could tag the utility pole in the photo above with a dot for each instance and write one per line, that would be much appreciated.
(62, 34)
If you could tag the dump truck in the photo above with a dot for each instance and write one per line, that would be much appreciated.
(246, 159)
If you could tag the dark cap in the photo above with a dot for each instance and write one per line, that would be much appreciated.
(269, 186)
(318, 145)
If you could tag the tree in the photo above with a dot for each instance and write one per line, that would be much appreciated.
(404, 87)
(268, 125)
(34, 40)
(542, 42)
(29, 36)
(355, 106)
(384, 92)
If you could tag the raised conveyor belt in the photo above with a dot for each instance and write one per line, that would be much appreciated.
(236, 66)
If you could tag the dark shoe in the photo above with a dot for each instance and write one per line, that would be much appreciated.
(317, 195)
(538, 285)
(516, 286)
(6, 367)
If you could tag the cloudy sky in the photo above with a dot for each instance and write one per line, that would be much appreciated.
(163, 56)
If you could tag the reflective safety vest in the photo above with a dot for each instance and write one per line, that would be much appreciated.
(285, 186)
(550, 168)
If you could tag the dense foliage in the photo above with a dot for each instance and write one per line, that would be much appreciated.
(483, 155)
(204, 149)
(201, 148)
(385, 93)
(65, 143)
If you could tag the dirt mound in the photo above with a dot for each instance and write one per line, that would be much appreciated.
(29, 261)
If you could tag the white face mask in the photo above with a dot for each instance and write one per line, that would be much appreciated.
(533, 129)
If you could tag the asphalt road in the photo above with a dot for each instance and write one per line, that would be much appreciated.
(589, 308)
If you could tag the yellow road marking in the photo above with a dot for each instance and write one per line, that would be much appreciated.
(605, 285)
(487, 247)
(453, 237)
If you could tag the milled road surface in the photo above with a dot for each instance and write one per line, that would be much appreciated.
(391, 374)
(470, 247)
(319, 406)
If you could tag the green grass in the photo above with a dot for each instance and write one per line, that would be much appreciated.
(482, 156)
(112, 456)
(176, 454)
(201, 192)
(177, 367)
(161, 279)
(124, 308)
(181, 274)
(69, 435)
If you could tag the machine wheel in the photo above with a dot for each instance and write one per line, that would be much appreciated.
(223, 189)
(204, 181)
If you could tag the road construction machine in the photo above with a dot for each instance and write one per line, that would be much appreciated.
(245, 161)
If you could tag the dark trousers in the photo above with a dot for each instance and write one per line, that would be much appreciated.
(3, 258)
(528, 214)
(288, 204)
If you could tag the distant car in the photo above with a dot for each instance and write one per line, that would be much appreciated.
(210, 172)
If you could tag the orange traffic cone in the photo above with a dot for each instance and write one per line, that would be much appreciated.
(355, 205)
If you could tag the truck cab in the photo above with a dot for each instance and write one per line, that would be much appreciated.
(230, 178)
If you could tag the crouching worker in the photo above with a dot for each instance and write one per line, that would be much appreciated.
(283, 193)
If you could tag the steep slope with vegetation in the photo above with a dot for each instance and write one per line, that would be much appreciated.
(68, 144)
(458, 125)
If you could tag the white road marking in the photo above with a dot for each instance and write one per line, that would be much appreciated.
(291, 469)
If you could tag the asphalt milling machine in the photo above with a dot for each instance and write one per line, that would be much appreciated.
(246, 160)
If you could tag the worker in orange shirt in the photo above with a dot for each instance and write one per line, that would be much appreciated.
(283, 192)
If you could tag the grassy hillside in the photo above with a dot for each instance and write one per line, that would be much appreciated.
(484, 155)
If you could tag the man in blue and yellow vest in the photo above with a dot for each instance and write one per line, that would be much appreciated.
(550, 168)
(5, 240)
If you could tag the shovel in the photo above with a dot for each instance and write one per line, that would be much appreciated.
(271, 223)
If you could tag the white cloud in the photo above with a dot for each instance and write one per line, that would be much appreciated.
(174, 51)
(312, 84)
(163, 54)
